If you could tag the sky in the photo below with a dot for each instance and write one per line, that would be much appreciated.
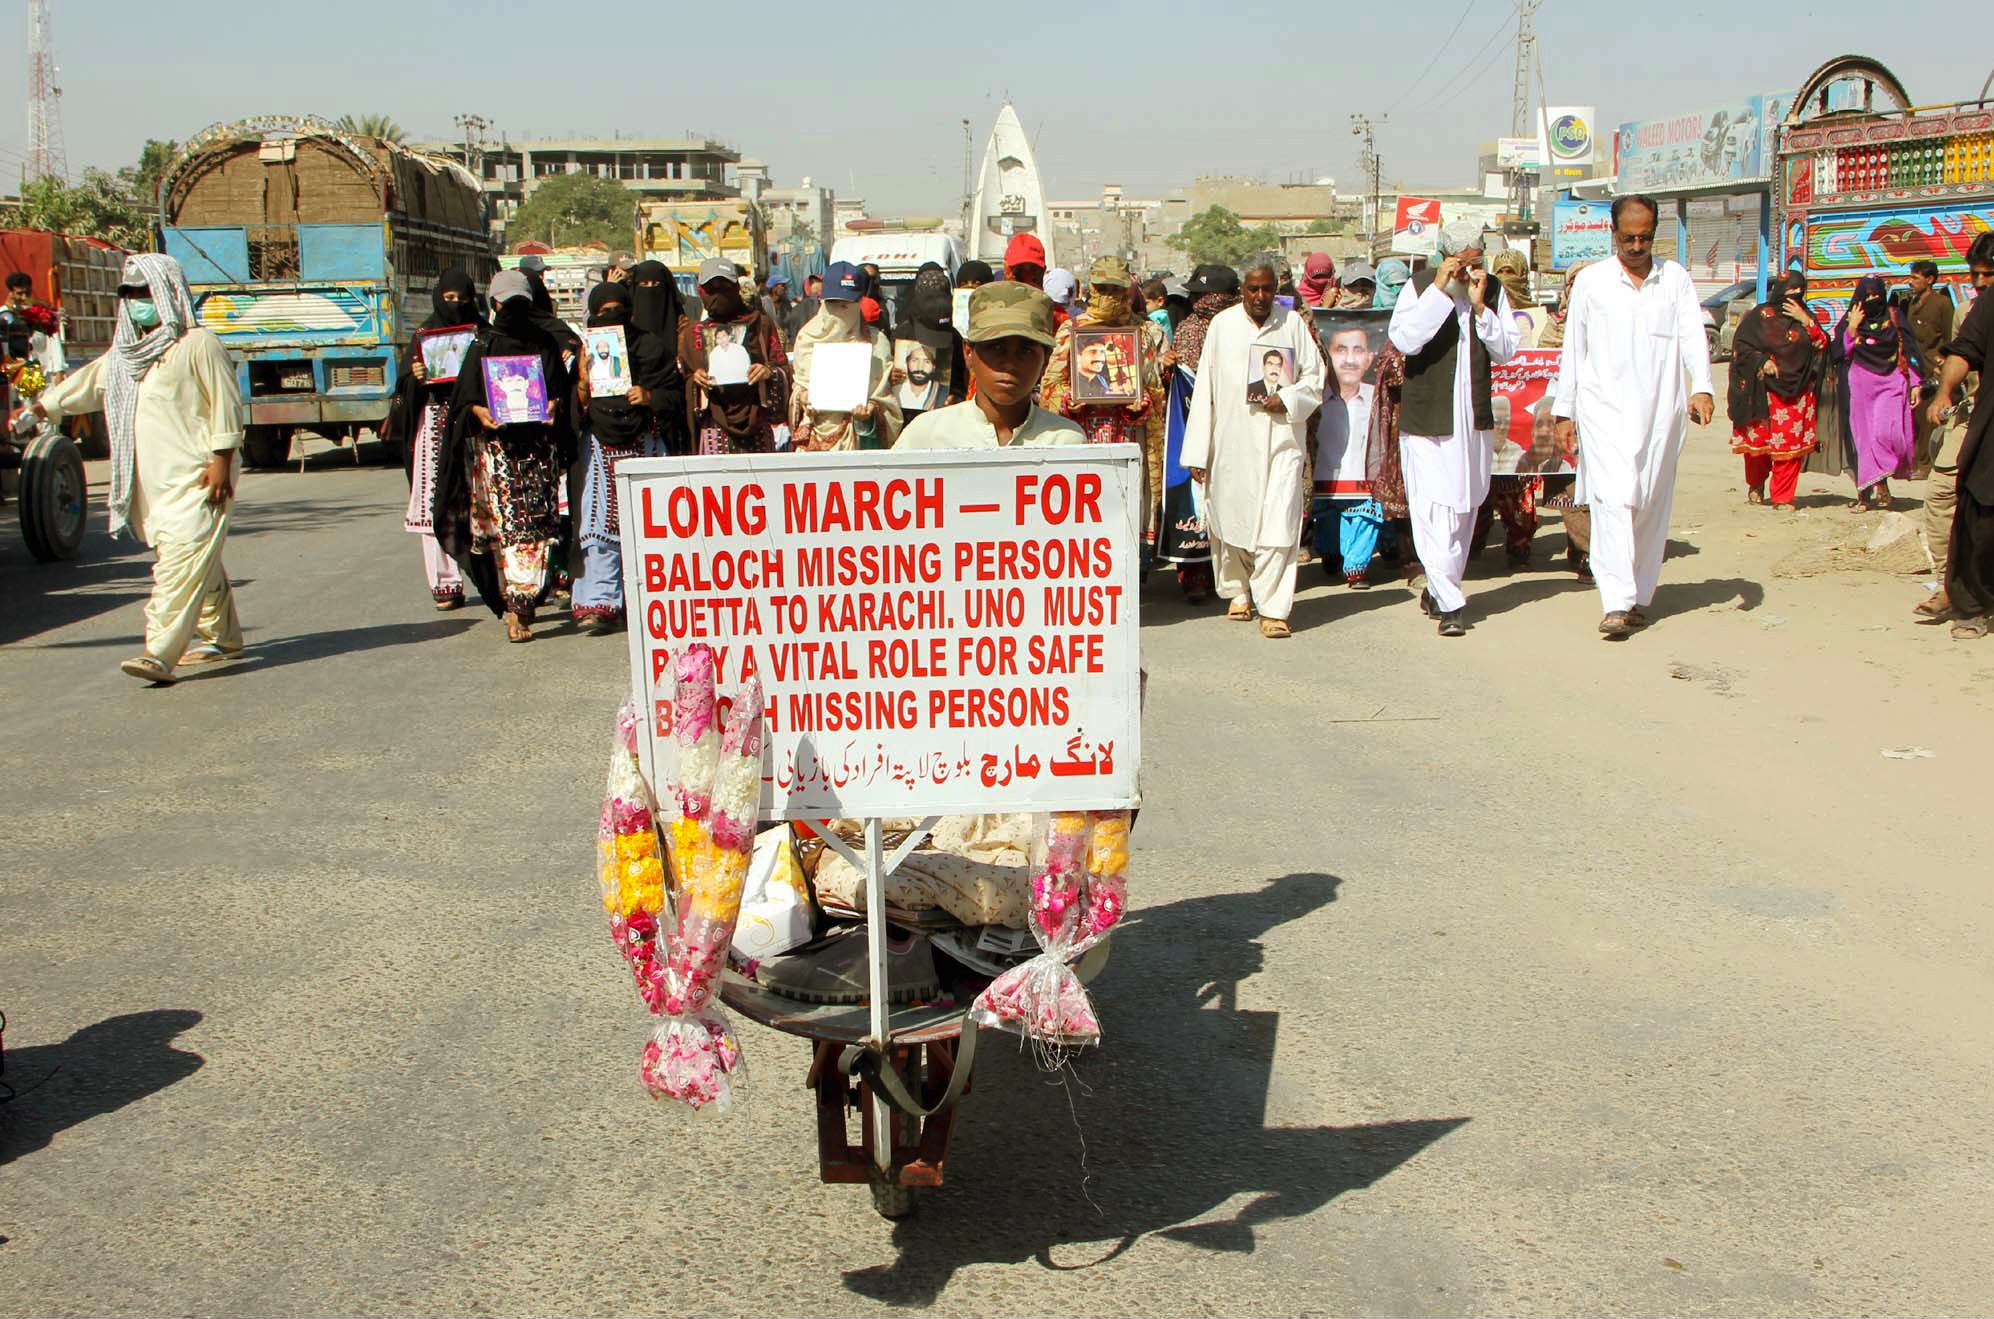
(870, 100)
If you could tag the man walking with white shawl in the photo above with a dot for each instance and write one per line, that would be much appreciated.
(1249, 447)
(1635, 372)
(168, 393)
(1452, 324)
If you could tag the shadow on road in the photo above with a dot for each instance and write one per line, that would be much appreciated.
(97, 1070)
(1174, 1117)
(282, 651)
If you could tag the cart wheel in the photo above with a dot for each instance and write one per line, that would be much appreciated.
(54, 497)
(266, 446)
(891, 1199)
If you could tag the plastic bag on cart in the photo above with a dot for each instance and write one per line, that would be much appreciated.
(1079, 895)
(694, 1055)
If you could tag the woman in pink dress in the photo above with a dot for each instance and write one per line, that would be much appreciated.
(1880, 368)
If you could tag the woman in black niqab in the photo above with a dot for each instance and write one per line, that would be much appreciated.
(496, 510)
(616, 427)
(417, 422)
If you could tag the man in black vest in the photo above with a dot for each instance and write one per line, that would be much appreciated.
(1446, 416)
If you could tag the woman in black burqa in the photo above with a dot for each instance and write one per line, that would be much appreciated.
(614, 427)
(496, 509)
(418, 421)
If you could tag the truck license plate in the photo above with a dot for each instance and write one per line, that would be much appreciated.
(296, 379)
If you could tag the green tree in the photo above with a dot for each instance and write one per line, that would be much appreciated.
(1217, 235)
(142, 180)
(565, 210)
(370, 125)
(101, 205)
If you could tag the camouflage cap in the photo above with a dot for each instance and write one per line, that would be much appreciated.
(1110, 272)
(1008, 310)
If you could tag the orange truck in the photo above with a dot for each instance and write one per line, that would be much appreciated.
(79, 278)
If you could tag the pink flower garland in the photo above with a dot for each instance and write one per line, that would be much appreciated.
(1079, 895)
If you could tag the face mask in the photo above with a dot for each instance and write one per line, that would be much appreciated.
(143, 313)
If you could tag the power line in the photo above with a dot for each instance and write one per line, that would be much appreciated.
(1464, 84)
(1435, 59)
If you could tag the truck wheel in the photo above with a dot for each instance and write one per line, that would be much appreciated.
(55, 497)
(266, 446)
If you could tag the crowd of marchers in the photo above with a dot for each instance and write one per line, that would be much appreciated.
(1217, 378)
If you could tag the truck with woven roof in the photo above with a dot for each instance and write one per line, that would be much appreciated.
(312, 252)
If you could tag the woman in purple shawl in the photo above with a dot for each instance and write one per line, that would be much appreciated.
(1880, 366)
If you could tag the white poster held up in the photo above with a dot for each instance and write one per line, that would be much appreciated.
(840, 376)
(936, 633)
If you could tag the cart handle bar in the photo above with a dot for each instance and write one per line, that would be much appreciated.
(864, 1062)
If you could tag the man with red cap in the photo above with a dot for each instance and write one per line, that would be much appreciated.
(1024, 260)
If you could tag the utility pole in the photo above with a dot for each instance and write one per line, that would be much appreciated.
(47, 158)
(1519, 101)
(966, 147)
(474, 127)
(1367, 128)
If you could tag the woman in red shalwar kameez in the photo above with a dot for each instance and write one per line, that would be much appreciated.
(1775, 370)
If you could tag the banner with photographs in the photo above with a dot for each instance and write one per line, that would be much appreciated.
(1526, 437)
(1351, 341)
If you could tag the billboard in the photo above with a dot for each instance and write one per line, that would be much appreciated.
(1566, 141)
(1519, 153)
(1732, 147)
(1580, 231)
(1417, 226)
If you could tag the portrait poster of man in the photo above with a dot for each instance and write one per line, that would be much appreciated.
(1106, 364)
(926, 384)
(444, 351)
(1526, 438)
(609, 361)
(1270, 368)
(1351, 341)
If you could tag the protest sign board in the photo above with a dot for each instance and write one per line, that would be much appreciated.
(935, 633)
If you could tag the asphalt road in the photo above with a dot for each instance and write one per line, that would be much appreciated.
(1523, 973)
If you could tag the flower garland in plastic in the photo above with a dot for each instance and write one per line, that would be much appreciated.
(1079, 894)
(693, 1055)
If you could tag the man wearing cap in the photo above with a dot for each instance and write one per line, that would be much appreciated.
(1024, 260)
(805, 308)
(1065, 387)
(776, 302)
(1358, 287)
(1453, 325)
(1009, 342)
(1252, 458)
(736, 366)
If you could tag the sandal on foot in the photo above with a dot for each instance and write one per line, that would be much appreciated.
(1616, 625)
(147, 669)
(1934, 608)
(1240, 610)
(1275, 628)
(1970, 629)
(516, 631)
(1638, 616)
(1756, 495)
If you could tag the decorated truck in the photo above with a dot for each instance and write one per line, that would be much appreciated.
(312, 252)
(683, 234)
(1869, 183)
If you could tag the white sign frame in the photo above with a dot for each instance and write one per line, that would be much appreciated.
(1104, 709)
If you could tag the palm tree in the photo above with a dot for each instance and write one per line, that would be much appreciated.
(371, 125)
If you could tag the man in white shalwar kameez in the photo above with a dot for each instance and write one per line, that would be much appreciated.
(1635, 371)
(167, 389)
(1452, 323)
(1251, 457)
